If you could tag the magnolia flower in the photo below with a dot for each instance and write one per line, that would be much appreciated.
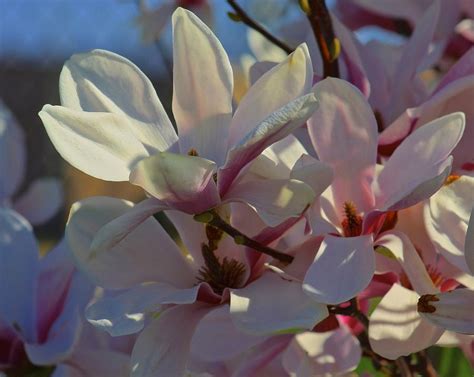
(113, 126)
(32, 203)
(360, 199)
(41, 328)
(414, 314)
(156, 277)
(153, 21)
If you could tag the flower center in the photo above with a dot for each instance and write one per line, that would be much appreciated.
(424, 304)
(352, 222)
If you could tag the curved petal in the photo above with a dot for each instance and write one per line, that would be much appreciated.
(402, 248)
(41, 201)
(275, 127)
(275, 200)
(99, 144)
(313, 172)
(344, 134)
(18, 274)
(126, 313)
(342, 268)
(450, 310)
(330, 353)
(282, 84)
(446, 218)
(469, 244)
(274, 305)
(202, 87)
(184, 182)
(420, 157)
(146, 254)
(395, 327)
(12, 153)
(101, 81)
(163, 346)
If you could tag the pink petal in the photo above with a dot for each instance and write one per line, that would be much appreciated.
(313, 172)
(162, 348)
(469, 243)
(419, 163)
(147, 253)
(202, 87)
(329, 353)
(395, 327)
(342, 268)
(452, 310)
(402, 248)
(272, 304)
(344, 135)
(275, 127)
(18, 274)
(183, 182)
(42, 200)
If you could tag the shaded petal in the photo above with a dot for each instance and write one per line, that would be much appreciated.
(184, 182)
(202, 87)
(146, 254)
(282, 84)
(422, 157)
(313, 172)
(101, 81)
(99, 144)
(162, 348)
(113, 232)
(274, 305)
(342, 268)
(126, 313)
(469, 244)
(275, 127)
(274, 199)
(446, 218)
(330, 353)
(100, 362)
(42, 200)
(210, 342)
(18, 274)
(402, 248)
(344, 134)
(395, 327)
(12, 153)
(453, 310)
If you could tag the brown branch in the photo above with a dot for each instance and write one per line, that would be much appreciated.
(247, 20)
(213, 218)
(320, 20)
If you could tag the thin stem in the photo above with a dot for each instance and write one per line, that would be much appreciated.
(424, 365)
(247, 20)
(213, 218)
(403, 367)
(320, 20)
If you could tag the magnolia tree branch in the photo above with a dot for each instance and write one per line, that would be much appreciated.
(242, 16)
(320, 20)
(212, 218)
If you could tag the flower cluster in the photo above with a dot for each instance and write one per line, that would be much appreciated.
(325, 217)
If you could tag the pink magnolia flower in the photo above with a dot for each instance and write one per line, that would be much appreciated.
(360, 198)
(113, 126)
(157, 277)
(32, 203)
(41, 324)
(414, 314)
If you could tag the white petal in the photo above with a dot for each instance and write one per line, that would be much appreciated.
(41, 201)
(100, 144)
(469, 243)
(342, 268)
(395, 327)
(101, 81)
(287, 81)
(163, 346)
(146, 254)
(202, 87)
(272, 304)
(452, 310)
(18, 274)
